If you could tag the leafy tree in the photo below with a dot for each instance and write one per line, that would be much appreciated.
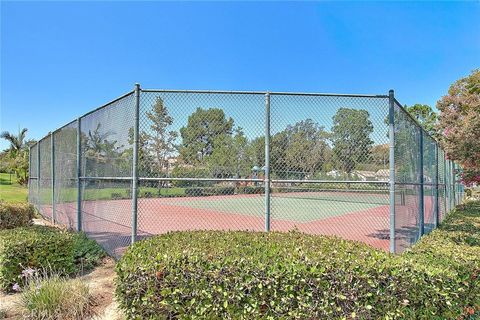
(460, 124)
(144, 158)
(17, 142)
(161, 142)
(257, 149)
(98, 143)
(231, 157)
(299, 150)
(102, 154)
(380, 155)
(351, 137)
(204, 127)
(278, 164)
(16, 157)
(306, 150)
(425, 115)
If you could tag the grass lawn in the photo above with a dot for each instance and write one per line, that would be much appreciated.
(11, 191)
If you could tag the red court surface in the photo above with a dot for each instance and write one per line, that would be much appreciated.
(109, 221)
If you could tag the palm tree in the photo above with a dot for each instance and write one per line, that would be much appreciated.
(16, 141)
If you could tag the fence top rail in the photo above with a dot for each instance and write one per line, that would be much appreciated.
(327, 181)
(267, 92)
(108, 103)
(86, 114)
(64, 126)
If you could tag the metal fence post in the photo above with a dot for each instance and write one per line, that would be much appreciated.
(136, 121)
(267, 162)
(38, 177)
(52, 173)
(79, 174)
(421, 203)
(454, 183)
(391, 122)
(445, 193)
(29, 174)
(436, 190)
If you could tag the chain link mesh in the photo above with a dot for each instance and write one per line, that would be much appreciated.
(429, 182)
(65, 141)
(33, 176)
(45, 179)
(202, 165)
(197, 158)
(106, 157)
(328, 155)
(407, 179)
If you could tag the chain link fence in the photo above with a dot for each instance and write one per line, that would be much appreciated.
(154, 161)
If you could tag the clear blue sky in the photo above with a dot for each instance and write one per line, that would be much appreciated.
(62, 59)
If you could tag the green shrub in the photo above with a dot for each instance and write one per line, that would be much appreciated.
(43, 248)
(252, 190)
(468, 192)
(224, 190)
(55, 298)
(454, 247)
(246, 275)
(194, 192)
(87, 252)
(14, 215)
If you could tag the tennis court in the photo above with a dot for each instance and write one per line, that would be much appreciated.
(351, 215)
(155, 161)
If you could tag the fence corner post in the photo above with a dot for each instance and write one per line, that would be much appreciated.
(436, 207)
(391, 122)
(52, 174)
(29, 185)
(79, 174)
(267, 162)
(421, 202)
(136, 121)
(38, 179)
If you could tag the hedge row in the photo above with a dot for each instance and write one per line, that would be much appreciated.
(15, 215)
(223, 190)
(245, 275)
(45, 249)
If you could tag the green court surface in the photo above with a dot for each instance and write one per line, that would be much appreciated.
(283, 208)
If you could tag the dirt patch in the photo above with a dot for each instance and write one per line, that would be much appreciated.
(102, 288)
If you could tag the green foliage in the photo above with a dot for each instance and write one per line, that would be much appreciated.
(454, 246)
(210, 191)
(34, 247)
(189, 172)
(45, 249)
(15, 162)
(231, 156)
(86, 252)
(52, 297)
(161, 141)
(351, 137)
(307, 149)
(247, 275)
(203, 128)
(459, 123)
(14, 215)
(251, 190)
(425, 115)
(103, 155)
